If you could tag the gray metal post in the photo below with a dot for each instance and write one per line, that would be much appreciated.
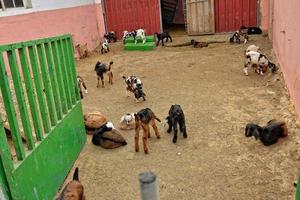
(148, 186)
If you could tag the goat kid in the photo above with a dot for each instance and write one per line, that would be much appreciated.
(268, 134)
(134, 85)
(104, 47)
(73, 190)
(127, 34)
(110, 36)
(81, 84)
(258, 61)
(143, 119)
(135, 34)
(176, 115)
(101, 69)
(108, 137)
(161, 36)
(236, 37)
(127, 121)
(82, 50)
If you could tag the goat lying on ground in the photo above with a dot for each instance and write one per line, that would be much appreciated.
(82, 50)
(81, 84)
(101, 69)
(93, 121)
(134, 85)
(143, 119)
(108, 137)
(260, 61)
(161, 36)
(110, 36)
(268, 134)
(176, 115)
(252, 30)
(127, 121)
(73, 190)
(236, 37)
(195, 44)
(104, 47)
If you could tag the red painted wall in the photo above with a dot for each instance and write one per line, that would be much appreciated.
(230, 15)
(284, 31)
(133, 14)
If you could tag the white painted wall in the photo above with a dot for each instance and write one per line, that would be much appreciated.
(43, 5)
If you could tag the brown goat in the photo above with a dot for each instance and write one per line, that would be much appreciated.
(142, 119)
(73, 190)
(82, 50)
(93, 121)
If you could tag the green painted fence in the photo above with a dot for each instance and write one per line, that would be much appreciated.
(47, 106)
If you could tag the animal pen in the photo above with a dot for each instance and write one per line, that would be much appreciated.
(38, 90)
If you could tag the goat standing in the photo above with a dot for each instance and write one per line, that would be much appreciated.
(176, 115)
(101, 69)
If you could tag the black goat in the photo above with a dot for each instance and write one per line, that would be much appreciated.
(101, 69)
(161, 36)
(176, 115)
(268, 134)
(110, 36)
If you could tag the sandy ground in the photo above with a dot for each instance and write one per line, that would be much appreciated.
(216, 161)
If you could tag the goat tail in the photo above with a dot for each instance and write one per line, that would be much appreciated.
(76, 175)
(110, 63)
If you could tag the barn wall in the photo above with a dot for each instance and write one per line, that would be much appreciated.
(230, 15)
(133, 14)
(85, 23)
(285, 36)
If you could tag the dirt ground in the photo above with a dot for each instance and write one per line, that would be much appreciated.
(216, 161)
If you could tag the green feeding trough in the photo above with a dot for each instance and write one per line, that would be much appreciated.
(148, 46)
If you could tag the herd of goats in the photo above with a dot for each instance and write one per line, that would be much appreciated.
(106, 135)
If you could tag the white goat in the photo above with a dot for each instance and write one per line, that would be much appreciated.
(260, 61)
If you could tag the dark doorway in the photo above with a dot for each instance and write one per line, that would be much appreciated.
(173, 20)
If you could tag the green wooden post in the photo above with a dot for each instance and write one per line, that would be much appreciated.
(69, 71)
(31, 94)
(47, 86)
(10, 110)
(61, 86)
(64, 74)
(39, 89)
(53, 79)
(20, 98)
(73, 67)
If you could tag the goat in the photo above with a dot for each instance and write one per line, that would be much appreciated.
(134, 85)
(237, 34)
(108, 137)
(104, 47)
(268, 134)
(81, 84)
(101, 69)
(73, 190)
(252, 30)
(161, 36)
(176, 115)
(110, 36)
(127, 121)
(143, 119)
(259, 60)
(252, 48)
(127, 34)
(93, 121)
(82, 50)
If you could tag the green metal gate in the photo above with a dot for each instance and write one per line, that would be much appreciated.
(39, 91)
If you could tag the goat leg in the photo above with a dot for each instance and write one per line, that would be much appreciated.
(136, 137)
(98, 82)
(175, 131)
(155, 129)
(170, 125)
(145, 138)
(183, 128)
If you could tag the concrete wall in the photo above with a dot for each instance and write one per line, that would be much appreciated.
(285, 31)
(84, 22)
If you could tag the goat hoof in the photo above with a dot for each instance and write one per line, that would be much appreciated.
(185, 136)
(158, 137)
(169, 131)
(146, 151)
(136, 150)
(174, 141)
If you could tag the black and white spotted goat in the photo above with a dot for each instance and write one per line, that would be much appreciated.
(104, 47)
(161, 36)
(134, 85)
(176, 115)
(236, 37)
(258, 61)
(135, 34)
(268, 134)
(110, 36)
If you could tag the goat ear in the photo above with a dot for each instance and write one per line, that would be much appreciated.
(76, 175)
(256, 134)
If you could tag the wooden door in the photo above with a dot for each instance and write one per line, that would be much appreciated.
(200, 17)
